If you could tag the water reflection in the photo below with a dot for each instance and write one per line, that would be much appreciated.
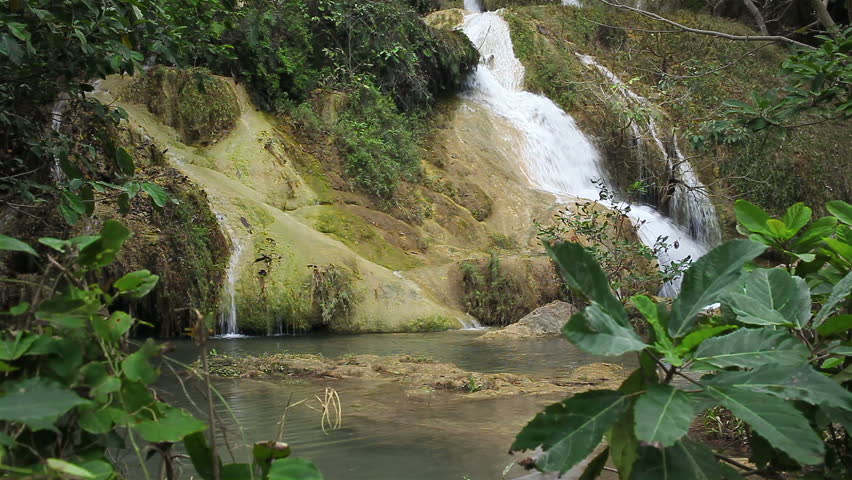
(390, 430)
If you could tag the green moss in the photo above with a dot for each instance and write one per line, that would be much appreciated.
(254, 214)
(435, 323)
(358, 235)
(198, 105)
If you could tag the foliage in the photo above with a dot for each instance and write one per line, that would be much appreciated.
(49, 50)
(379, 143)
(818, 87)
(332, 294)
(613, 240)
(490, 295)
(768, 358)
(75, 385)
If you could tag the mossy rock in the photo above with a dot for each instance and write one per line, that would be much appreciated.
(200, 106)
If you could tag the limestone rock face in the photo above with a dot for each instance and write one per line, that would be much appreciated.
(546, 320)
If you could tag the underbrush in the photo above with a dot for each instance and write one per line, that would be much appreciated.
(490, 295)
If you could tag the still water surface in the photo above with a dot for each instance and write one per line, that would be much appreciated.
(390, 431)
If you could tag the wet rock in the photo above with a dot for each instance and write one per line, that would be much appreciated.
(546, 320)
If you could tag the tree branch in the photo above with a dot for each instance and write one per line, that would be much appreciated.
(727, 36)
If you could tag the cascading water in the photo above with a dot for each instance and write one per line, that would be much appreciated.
(557, 156)
(690, 205)
(228, 314)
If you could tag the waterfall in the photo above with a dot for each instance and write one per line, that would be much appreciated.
(472, 5)
(228, 313)
(691, 207)
(557, 157)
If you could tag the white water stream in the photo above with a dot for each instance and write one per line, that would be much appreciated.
(557, 157)
(228, 315)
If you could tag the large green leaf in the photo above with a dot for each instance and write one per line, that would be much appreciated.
(683, 461)
(838, 324)
(841, 210)
(136, 366)
(706, 279)
(595, 331)
(771, 297)
(173, 426)
(802, 383)
(656, 315)
(157, 193)
(697, 337)
(750, 348)
(200, 454)
(838, 293)
(294, 469)
(124, 161)
(623, 445)
(570, 430)
(37, 402)
(751, 216)
(136, 284)
(69, 469)
(15, 245)
(775, 420)
(796, 217)
(582, 272)
(664, 414)
(595, 467)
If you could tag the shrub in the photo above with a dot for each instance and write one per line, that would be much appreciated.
(332, 294)
(489, 295)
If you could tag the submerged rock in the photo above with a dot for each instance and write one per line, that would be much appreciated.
(546, 320)
(417, 373)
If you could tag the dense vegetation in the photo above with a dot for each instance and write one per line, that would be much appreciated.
(776, 355)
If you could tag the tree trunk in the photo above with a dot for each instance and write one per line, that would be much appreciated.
(823, 17)
(758, 17)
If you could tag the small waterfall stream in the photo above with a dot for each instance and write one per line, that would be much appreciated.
(558, 157)
(228, 314)
(690, 205)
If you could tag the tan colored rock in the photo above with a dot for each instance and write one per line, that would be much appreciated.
(546, 320)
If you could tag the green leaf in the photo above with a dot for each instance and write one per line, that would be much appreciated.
(752, 348)
(841, 210)
(236, 471)
(15, 347)
(265, 452)
(685, 460)
(570, 430)
(294, 469)
(101, 252)
(598, 333)
(173, 426)
(15, 245)
(842, 248)
(775, 420)
(778, 230)
(54, 243)
(706, 279)
(582, 272)
(70, 469)
(96, 420)
(838, 293)
(663, 415)
(815, 234)
(800, 384)
(124, 161)
(19, 309)
(71, 217)
(112, 328)
(751, 216)
(136, 366)
(771, 297)
(652, 313)
(157, 193)
(200, 454)
(37, 402)
(136, 284)
(623, 445)
(833, 325)
(697, 337)
(796, 217)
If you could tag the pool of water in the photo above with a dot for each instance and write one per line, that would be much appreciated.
(389, 430)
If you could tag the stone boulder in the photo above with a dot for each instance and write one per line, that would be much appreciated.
(545, 320)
